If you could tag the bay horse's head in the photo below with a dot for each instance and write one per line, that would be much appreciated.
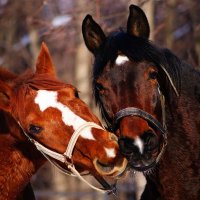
(51, 115)
(129, 78)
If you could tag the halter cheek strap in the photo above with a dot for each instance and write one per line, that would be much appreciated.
(67, 155)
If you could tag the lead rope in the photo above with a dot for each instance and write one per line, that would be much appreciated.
(75, 173)
(170, 80)
(162, 101)
(48, 154)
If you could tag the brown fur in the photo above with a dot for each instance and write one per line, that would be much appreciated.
(18, 157)
(177, 175)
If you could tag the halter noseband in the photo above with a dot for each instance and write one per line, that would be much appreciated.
(132, 111)
(66, 157)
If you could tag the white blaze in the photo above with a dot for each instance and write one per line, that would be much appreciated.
(121, 60)
(46, 99)
(139, 143)
(110, 152)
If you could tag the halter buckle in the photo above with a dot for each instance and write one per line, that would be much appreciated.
(68, 161)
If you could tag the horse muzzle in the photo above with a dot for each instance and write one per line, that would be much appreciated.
(111, 170)
(143, 149)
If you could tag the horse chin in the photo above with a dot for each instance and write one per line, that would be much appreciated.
(146, 169)
(111, 170)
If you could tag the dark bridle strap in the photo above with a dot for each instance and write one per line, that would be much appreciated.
(132, 111)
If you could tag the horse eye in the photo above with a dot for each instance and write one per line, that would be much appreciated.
(76, 94)
(34, 129)
(99, 87)
(153, 75)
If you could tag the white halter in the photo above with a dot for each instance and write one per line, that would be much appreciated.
(67, 155)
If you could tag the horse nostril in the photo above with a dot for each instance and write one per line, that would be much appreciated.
(127, 146)
(150, 139)
(147, 156)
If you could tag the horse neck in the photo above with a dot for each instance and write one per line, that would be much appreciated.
(19, 161)
(180, 164)
(183, 110)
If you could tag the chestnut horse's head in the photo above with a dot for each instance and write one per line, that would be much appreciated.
(49, 112)
(128, 79)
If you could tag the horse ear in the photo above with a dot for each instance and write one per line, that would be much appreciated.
(93, 35)
(44, 64)
(5, 96)
(137, 23)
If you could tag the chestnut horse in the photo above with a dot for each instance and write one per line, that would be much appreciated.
(151, 99)
(45, 117)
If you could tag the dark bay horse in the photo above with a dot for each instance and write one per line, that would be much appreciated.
(44, 118)
(151, 99)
